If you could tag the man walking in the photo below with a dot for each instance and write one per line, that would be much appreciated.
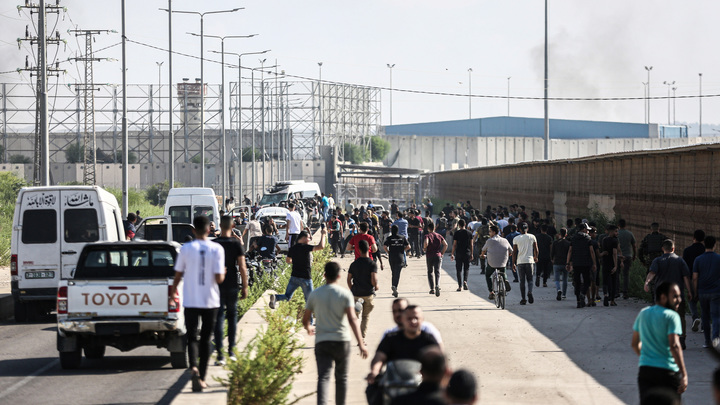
(414, 233)
(362, 281)
(628, 250)
(544, 264)
(236, 280)
(655, 340)
(689, 255)
(525, 254)
(706, 284)
(651, 245)
(435, 247)
(294, 225)
(203, 264)
(462, 254)
(496, 252)
(671, 267)
(559, 253)
(334, 310)
(610, 265)
(581, 261)
(396, 246)
(300, 256)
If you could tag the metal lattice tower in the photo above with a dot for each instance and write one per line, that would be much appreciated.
(35, 70)
(88, 89)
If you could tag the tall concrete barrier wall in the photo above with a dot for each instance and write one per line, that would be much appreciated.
(678, 188)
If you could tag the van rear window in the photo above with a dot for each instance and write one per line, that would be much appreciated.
(180, 214)
(201, 210)
(39, 226)
(81, 225)
(126, 263)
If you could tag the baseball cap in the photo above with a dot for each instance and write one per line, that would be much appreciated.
(462, 385)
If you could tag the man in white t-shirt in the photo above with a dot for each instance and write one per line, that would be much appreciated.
(202, 264)
(398, 306)
(525, 255)
(294, 225)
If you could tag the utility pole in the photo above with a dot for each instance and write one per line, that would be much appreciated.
(470, 93)
(390, 67)
(88, 89)
(700, 98)
(124, 126)
(41, 157)
(648, 68)
(159, 92)
(545, 86)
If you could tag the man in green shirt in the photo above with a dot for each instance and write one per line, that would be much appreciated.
(656, 339)
(334, 309)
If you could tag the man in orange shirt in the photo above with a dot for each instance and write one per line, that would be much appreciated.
(363, 235)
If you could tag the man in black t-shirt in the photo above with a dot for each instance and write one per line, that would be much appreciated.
(462, 254)
(414, 234)
(396, 246)
(300, 256)
(544, 264)
(405, 344)
(610, 265)
(581, 261)
(267, 244)
(362, 281)
(235, 281)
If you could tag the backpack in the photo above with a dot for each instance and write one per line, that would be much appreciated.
(442, 223)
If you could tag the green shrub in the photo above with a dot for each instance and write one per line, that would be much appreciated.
(136, 202)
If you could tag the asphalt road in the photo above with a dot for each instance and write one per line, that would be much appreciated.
(30, 372)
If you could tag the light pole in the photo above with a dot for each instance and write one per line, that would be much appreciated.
(238, 134)
(171, 148)
(470, 93)
(508, 97)
(202, 81)
(390, 67)
(645, 90)
(648, 68)
(545, 86)
(320, 103)
(700, 98)
(159, 65)
(669, 84)
(124, 125)
(223, 140)
(673, 98)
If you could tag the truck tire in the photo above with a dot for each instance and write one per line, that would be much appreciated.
(70, 360)
(94, 352)
(179, 359)
(20, 310)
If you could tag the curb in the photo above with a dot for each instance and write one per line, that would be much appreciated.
(216, 393)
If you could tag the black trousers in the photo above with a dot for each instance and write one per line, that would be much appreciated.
(581, 280)
(544, 269)
(228, 309)
(462, 267)
(414, 241)
(395, 268)
(335, 242)
(611, 282)
(201, 347)
(434, 263)
(655, 377)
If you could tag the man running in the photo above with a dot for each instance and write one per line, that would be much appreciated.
(435, 247)
(362, 281)
(525, 254)
(655, 340)
(294, 225)
(496, 252)
(396, 246)
(300, 256)
(462, 254)
(363, 235)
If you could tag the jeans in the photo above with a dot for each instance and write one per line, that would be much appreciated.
(544, 269)
(414, 241)
(514, 272)
(199, 348)
(693, 305)
(462, 267)
(561, 272)
(367, 307)
(327, 353)
(525, 272)
(654, 377)
(710, 310)
(488, 275)
(325, 213)
(395, 268)
(433, 267)
(228, 308)
(581, 281)
(296, 282)
(626, 263)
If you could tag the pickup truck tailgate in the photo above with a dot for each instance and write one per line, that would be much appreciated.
(119, 298)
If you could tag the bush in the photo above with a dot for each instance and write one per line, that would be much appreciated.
(137, 202)
(249, 154)
(19, 159)
(379, 148)
(157, 193)
(75, 153)
(355, 154)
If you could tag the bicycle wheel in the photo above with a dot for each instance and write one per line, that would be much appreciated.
(502, 299)
(496, 288)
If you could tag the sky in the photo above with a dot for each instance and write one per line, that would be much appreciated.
(596, 50)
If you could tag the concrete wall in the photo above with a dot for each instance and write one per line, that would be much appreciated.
(436, 153)
(679, 188)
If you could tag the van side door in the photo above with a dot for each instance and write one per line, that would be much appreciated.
(79, 225)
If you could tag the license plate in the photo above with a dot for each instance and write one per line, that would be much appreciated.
(39, 274)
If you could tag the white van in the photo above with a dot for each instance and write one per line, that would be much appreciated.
(51, 225)
(286, 190)
(183, 204)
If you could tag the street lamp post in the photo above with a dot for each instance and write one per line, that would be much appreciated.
(159, 65)
(320, 103)
(673, 99)
(545, 87)
(171, 147)
(508, 95)
(700, 98)
(202, 80)
(470, 93)
(648, 68)
(669, 85)
(238, 134)
(223, 140)
(645, 104)
(390, 67)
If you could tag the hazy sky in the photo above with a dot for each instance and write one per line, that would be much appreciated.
(597, 49)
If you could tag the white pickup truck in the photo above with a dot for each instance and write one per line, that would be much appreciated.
(119, 297)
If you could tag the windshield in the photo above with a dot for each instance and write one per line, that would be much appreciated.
(127, 262)
(268, 199)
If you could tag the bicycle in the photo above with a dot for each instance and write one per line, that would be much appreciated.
(498, 283)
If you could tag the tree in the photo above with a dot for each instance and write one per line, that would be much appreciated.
(248, 154)
(157, 193)
(196, 159)
(355, 154)
(2, 154)
(75, 153)
(19, 159)
(379, 148)
(132, 157)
